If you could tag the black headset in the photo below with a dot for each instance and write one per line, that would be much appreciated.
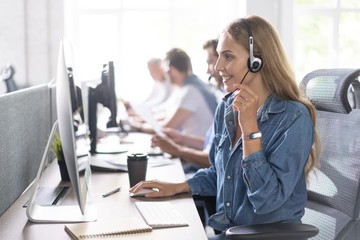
(254, 62)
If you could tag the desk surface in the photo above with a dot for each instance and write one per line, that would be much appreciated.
(15, 225)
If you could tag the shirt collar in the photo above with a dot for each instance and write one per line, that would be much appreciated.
(272, 105)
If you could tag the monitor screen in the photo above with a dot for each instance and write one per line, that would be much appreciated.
(109, 96)
(68, 120)
(104, 93)
(67, 112)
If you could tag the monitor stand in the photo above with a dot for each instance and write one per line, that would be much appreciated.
(47, 196)
(55, 213)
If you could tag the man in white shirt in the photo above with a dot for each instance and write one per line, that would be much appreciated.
(194, 104)
(191, 107)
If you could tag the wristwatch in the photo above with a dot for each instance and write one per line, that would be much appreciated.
(251, 136)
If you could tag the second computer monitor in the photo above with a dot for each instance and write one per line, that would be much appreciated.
(104, 94)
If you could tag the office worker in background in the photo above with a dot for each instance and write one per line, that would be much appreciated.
(265, 142)
(192, 148)
(191, 106)
(214, 77)
(162, 87)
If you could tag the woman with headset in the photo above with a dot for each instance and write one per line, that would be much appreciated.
(265, 142)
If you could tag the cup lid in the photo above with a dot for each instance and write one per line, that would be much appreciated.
(137, 156)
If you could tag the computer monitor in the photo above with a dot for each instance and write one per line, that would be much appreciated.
(76, 103)
(65, 102)
(108, 98)
(104, 93)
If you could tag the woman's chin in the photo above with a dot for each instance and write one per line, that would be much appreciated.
(229, 87)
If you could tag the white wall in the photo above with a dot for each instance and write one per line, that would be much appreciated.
(30, 33)
(13, 36)
(280, 14)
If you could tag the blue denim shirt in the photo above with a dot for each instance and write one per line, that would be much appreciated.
(268, 185)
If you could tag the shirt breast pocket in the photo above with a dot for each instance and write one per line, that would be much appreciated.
(220, 153)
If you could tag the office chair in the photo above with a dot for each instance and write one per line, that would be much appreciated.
(334, 190)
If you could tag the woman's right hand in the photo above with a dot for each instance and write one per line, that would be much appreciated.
(164, 189)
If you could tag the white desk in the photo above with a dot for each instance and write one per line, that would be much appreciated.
(15, 225)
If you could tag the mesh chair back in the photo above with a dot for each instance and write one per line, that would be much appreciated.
(333, 193)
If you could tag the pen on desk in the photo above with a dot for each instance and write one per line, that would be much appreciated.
(111, 192)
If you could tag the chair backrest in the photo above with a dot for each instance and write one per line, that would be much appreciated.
(334, 191)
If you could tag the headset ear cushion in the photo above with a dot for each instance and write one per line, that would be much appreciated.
(255, 65)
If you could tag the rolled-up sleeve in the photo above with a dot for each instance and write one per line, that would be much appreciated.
(203, 182)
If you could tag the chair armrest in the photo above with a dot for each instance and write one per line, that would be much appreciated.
(279, 231)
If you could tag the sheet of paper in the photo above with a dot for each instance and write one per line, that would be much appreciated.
(143, 111)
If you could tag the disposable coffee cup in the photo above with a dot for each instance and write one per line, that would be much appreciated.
(137, 165)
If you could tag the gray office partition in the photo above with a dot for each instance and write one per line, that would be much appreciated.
(26, 118)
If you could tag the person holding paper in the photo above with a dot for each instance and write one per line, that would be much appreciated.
(187, 147)
(161, 89)
(193, 149)
(191, 106)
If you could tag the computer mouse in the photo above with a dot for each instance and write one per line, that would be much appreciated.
(142, 192)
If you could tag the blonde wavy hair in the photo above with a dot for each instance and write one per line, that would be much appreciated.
(276, 71)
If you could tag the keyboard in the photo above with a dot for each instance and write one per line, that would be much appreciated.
(161, 214)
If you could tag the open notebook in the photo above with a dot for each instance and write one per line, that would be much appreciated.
(113, 228)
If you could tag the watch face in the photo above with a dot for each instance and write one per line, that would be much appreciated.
(255, 135)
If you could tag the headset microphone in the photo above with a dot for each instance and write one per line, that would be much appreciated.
(209, 78)
(227, 95)
(244, 76)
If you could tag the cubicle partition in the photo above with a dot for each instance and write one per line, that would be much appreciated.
(26, 118)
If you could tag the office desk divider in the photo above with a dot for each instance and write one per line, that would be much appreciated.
(25, 124)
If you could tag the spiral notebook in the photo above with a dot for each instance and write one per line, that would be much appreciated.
(110, 228)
